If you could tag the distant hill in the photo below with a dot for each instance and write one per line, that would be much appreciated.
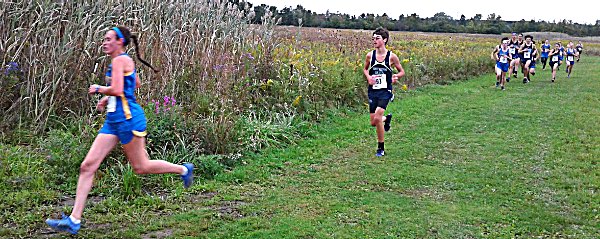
(537, 36)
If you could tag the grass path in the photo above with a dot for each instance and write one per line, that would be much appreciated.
(462, 161)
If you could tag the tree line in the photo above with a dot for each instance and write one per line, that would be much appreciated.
(440, 22)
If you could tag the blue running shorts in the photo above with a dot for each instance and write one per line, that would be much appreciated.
(125, 130)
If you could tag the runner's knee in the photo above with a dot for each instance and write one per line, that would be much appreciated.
(376, 120)
(88, 166)
(139, 168)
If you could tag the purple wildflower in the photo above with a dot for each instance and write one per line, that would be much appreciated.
(166, 100)
(155, 102)
(11, 67)
(218, 67)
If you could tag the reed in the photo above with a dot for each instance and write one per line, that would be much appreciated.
(56, 46)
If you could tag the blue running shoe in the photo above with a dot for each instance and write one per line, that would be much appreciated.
(64, 224)
(507, 79)
(388, 120)
(380, 153)
(188, 178)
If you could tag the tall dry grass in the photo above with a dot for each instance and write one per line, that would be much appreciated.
(198, 45)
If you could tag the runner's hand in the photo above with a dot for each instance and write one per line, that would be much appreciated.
(394, 78)
(370, 80)
(93, 89)
(102, 104)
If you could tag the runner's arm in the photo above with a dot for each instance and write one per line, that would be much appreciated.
(366, 69)
(138, 82)
(102, 104)
(396, 63)
(522, 48)
(495, 53)
(116, 86)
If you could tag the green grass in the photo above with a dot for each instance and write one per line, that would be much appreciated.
(462, 161)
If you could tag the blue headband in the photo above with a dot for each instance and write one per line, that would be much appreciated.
(119, 34)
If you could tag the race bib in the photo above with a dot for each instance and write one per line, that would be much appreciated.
(503, 59)
(512, 50)
(112, 104)
(555, 58)
(570, 58)
(526, 54)
(380, 82)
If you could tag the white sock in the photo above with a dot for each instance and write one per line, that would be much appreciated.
(74, 220)
(185, 170)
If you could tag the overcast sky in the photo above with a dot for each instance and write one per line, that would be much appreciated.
(584, 12)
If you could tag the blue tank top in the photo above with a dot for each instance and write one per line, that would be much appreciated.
(545, 50)
(570, 54)
(123, 107)
(382, 72)
(503, 55)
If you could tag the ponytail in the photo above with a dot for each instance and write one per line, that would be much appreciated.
(125, 34)
(137, 53)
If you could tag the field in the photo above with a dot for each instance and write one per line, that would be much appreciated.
(279, 132)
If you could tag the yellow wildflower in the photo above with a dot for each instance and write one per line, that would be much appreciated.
(297, 101)
(405, 61)
(266, 85)
(404, 87)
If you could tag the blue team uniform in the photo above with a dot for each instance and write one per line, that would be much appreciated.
(570, 56)
(503, 59)
(544, 52)
(125, 117)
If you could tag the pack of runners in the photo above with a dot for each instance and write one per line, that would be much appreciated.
(520, 52)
